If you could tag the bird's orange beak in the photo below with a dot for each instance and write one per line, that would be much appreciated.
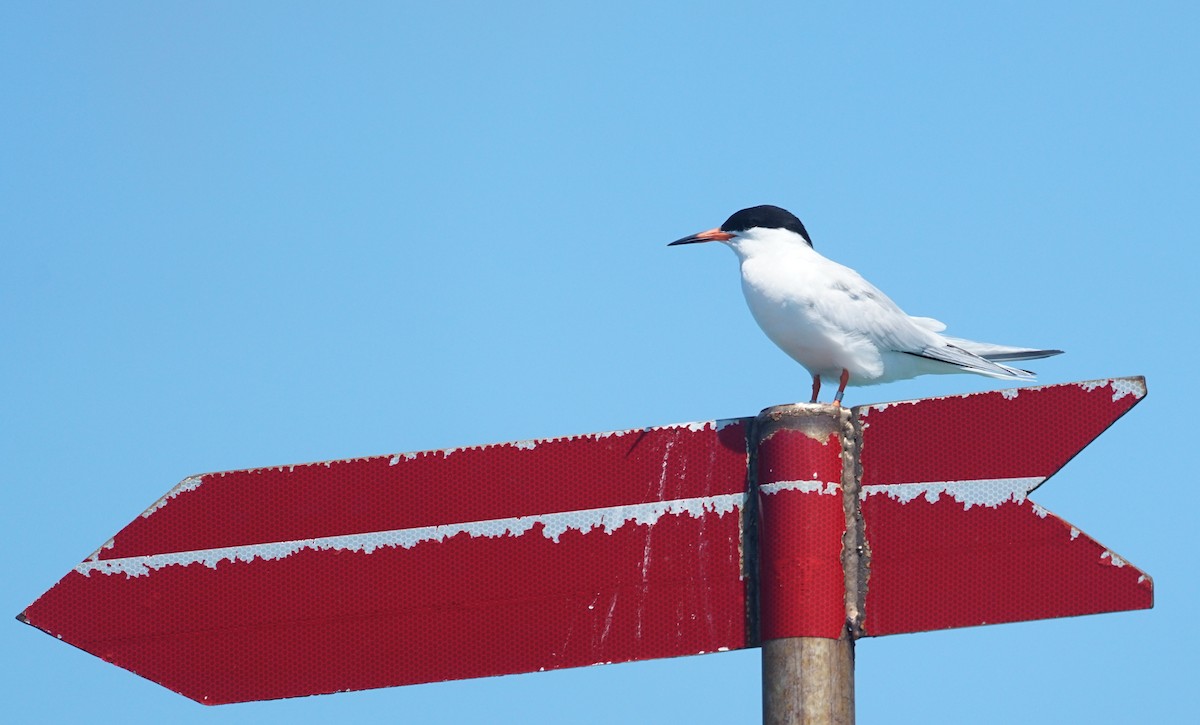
(712, 235)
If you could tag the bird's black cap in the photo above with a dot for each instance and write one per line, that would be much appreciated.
(765, 217)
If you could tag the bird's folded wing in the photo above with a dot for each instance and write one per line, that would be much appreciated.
(857, 309)
(861, 311)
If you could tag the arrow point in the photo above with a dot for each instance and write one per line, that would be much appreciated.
(1134, 385)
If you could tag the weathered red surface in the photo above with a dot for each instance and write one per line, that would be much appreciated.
(996, 434)
(941, 565)
(318, 617)
(977, 550)
(392, 570)
(802, 587)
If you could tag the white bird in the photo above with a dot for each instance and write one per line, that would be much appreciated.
(837, 324)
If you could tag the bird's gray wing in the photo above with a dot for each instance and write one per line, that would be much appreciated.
(858, 309)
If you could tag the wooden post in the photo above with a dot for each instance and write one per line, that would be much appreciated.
(809, 680)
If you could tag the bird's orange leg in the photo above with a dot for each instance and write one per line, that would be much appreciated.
(816, 387)
(845, 378)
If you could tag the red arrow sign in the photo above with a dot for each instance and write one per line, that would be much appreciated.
(954, 540)
(518, 557)
(422, 567)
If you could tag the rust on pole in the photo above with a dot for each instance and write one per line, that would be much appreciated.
(811, 558)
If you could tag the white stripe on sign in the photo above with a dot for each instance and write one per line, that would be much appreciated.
(554, 525)
(821, 487)
(989, 492)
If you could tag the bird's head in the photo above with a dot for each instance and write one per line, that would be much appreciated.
(756, 221)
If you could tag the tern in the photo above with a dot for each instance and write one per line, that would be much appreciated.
(836, 324)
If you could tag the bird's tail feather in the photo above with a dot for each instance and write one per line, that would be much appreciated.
(1000, 353)
(1021, 355)
(968, 361)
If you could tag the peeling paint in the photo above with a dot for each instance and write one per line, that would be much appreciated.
(984, 492)
(820, 487)
(608, 618)
(530, 444)
(1112, 559)
(191, 483)
(527, 445)
(1128, 386)
(884, 406)
(106, 545)
(1074, 533)
(1121, 387)
(554, 525)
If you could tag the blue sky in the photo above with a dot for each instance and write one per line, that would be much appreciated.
(241, 236)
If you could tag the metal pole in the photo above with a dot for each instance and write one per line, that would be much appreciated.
(810, 680)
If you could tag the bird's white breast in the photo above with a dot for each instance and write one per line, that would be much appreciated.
(802, 301)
